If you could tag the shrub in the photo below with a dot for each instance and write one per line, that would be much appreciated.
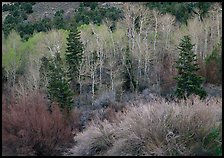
(29, 128)
(105, 99)
(97, 139)
(186, 128)
(213, 65)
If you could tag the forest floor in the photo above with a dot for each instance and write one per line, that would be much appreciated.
(213, 90)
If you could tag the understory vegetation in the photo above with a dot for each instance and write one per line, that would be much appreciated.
(185, 128)
(113, 79)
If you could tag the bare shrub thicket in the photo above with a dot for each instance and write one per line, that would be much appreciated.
(105, 99)
(29, 128)
(96, 139)
(159, 128)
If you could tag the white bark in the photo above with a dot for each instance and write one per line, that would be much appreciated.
(156, 26)
(100, 54)
(93, 84)
(218, 25)
(206, 42)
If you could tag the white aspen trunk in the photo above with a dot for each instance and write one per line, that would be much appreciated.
(202, 48)
(132, 39)
(164, 33)
(196, 41)
(111, 79)
(140, 52)
(14, 75)
(111, 64)
(101, 64)
(146, 54)
(154, 45)
(80, 82)
(112, 39)
(167, 36)
(218, 25)
(93, 83)
(206, 43)
(100, 54)
(213, 17)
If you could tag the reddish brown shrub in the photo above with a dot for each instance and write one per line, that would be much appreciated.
(110, 114)
(212, 72)
(202, 68)
(29, 128)
(167, 73)
(73, 120)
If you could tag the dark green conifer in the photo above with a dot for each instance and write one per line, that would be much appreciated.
(187, 81)
(58, 84)
(128, 74)
(74, 52)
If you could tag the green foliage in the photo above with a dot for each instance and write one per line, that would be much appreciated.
(214, 141)
(182, 10)
(58, 21)
(9, 24)
(203, 8)
(11, 57)
(187, 81)
(44, 25)
(11, 61)
(15, 19)
(27, 7)
(31, 45)
(92, 5)
(5, 7)
(74, 52)
(96, 14)
(58, 83)
(25, 30)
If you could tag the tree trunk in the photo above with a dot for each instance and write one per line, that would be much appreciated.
(206, 42)
(100, 54)
(155, 36)
(93, 83)
(218, 25)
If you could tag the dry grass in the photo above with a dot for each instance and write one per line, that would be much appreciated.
(159, 128)
(97, 139)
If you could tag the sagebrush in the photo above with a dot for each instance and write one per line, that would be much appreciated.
(159, 128)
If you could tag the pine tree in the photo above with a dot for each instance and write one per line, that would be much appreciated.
(58, 84)
(187, 81)
(128, 74)
(74, 52)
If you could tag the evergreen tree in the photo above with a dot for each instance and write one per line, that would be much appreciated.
(187, 81)
(74, 52)
(58, 84)
(128, 74)
(58, 20)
